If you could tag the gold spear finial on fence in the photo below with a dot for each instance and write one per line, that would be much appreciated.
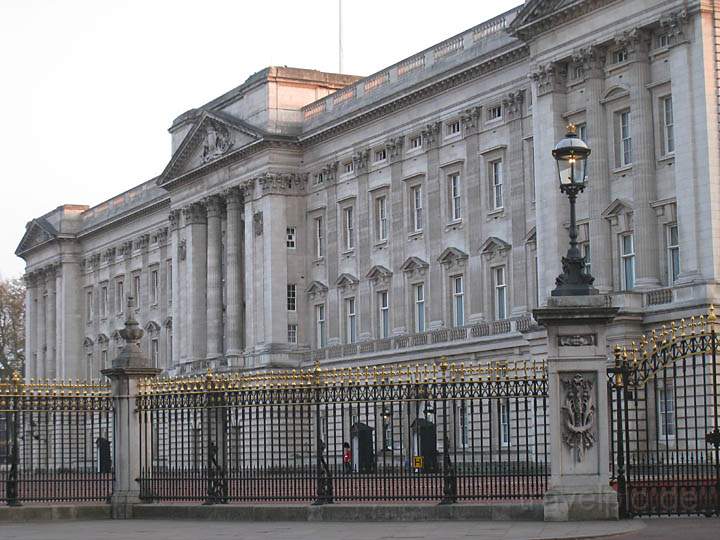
(711, 314)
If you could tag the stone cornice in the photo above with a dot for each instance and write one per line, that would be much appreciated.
(541, 16)
(132, 214)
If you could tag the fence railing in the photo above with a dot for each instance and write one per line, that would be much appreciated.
(56, 441)
(443, 432)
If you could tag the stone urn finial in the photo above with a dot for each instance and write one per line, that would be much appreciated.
(131, 354)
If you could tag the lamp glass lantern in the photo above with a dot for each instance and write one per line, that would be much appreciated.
(571, 155)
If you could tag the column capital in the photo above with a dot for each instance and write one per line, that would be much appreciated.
(195, 213)
(470, 119)
(513, 103)
(431, 134)
(174, 219)
(394, 146)
(273, 183)
(549, 78)
(636, 41)
(214, 205)
(234, 196)
(360, 160)
(592, 61)
(676, 25)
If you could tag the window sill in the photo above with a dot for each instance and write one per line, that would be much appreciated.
(617, 67)
(413, 151)
(452, 138)
(494, 121)
(454, 225)
(667, 158)
(623, 169)
(319, 260)
(415, 235)
(380, 244)
(498, 212)
(348, 252)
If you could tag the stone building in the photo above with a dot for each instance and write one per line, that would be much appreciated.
(410, 214)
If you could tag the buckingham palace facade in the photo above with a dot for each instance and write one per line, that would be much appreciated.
(307, 216)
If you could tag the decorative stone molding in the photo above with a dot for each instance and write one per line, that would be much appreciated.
(109, 254)
(549, 78)
(346, 281)
(281, 183)
(214, 206)
(174, 219)
(453, 258)
(361, 159)
(195, 214)
(160, 236)
(577, 340)
(470, 119)
(494, 247)
(125, 248)
(329, 172)
(414, 266)
(378, 275)
(94, 260)
(636, 41)
(233, 196)
(317, 290)
(591, 60)
(394, 147)
(676, 25)
(182, 250)
(619, 214)
(258, 223)
(578, 413)
(513, 103)
(217, 141)
(142, 242)
(431, 134)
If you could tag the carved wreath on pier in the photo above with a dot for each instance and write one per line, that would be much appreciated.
(578, 415)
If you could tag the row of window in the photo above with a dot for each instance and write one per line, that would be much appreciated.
(418, 308)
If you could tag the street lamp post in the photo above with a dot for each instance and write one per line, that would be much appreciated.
(571, 155)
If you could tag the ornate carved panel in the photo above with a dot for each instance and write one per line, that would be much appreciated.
(577, 412)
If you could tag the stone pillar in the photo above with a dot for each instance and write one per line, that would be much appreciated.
(196, 272)
(72, 319)
(50, 325)
(364, 239)
(592, 60)
(234, 329)
(214, 278)
(30, 321)
(433, 226)
(579, 486)
(174, 219)
(40, 299)
(127, 369)
(645, 225)
(398, 240)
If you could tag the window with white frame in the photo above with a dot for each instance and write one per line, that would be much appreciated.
(627, 258)
(419, 306)
(454, 197)
(320, 337)
(458, 300)
(103, 301)
(136, 290)
(452, 128)
(494, 112)
(119, 296)
(505, 422)
(621, 55)
(154, 352)
(673, 248)
(350, 321)
(496, 184)
(383, 314)
(623, 144)
(154, 286)
(318, 178)
(319, 237)
(291, 297)
(586, 253)
(89, 312)
(415, 142)
(348, 228)
(416, 208)
(348, 167)
(292, 333)
(380, 155)
(662, 41)
(665, 411)
(500, 289)
(291, 237)
(668, 125)
(381, 219)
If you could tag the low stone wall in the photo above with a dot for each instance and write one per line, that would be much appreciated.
(10, 514)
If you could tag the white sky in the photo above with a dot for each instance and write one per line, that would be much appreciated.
(89, 88)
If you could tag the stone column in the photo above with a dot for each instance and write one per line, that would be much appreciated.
(174, 220)
(579, 486)
(397, 242)
(30, 321)
(40, 328)
(592, 60)
(364, 240)
(127, 369)
(645, 225)
(433, 226)
(234, 329)
(196, 272)
(50, 324)
(214, 278)
(71, 319)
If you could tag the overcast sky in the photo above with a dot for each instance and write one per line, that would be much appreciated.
(89, 88)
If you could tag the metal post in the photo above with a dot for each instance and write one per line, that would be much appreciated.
(620, 403)
(11, 486)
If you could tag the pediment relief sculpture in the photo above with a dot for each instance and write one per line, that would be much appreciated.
(379, 274)
(316, 289)
(217, 142)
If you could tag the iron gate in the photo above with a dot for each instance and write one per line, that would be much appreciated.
(665, 440)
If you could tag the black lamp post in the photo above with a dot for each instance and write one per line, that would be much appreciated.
(571, 155)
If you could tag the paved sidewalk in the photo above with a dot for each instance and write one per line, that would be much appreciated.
(202, 530)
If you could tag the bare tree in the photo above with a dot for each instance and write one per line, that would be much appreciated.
(12, 326)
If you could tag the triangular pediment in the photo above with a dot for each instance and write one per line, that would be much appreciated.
(346, 280)
(213, 136)
(378, 272)
(451, 255)
(617, 207)
(537, 16)
(493, 244)
(37, 232)
(317, 287)
(413, 263)
(531, 236)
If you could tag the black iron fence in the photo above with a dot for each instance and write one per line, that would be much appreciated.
(440, 432)
(665, 437)
(56, 441)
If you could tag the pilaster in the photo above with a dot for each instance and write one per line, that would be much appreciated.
(235, 283)
(214, 206)
(433, 226)
(397, 242)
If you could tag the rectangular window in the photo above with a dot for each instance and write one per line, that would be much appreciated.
(320, 325)
(290, 237)
(318, 178)
(500, 293)
(381, 220)
(668, 126)
(154, 286)
(416, 142)
(136, 290)
(665, 412)
(496, 179)
(348, 228)
(154, 352)
(505, 422)
(383, 314)
(458, 301)
(673, 246)
(291, 297)
(380, 155)
(585, 252)
(419, 297)
(625, 146)
(620, 55)
(453, 128)
(662, 41)
(319, 238)
(348, 167)
(627, 256)
(292, 333)
(493, 113)
(120, 296)
(417, 208)
(103, 301)
(350, 321)
(454, 196)
(89, 306)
